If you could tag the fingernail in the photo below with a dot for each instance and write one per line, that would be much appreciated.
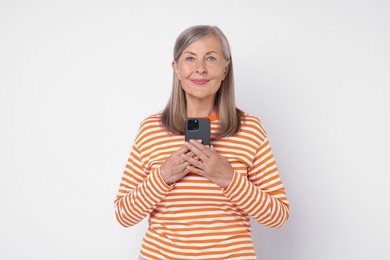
(199, 140)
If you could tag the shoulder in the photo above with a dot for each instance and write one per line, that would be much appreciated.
(149, 125)
(151, 120)
(253, 123)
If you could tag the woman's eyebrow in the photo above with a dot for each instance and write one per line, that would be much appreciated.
(189, 52)
(207, 53)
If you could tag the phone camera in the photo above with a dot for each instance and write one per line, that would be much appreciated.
(193, 124)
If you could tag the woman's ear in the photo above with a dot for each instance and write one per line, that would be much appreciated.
(175, 69)
(226, 70)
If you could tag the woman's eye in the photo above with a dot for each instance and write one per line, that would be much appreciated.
(190, 58)
(211, 58)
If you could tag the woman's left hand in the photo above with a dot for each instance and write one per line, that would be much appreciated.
(209, 164)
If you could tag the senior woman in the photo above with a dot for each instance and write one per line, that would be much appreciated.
(199, 198)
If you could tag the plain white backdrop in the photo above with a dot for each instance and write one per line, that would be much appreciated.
(77, 78)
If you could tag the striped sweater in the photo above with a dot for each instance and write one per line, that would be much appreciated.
(194, 218)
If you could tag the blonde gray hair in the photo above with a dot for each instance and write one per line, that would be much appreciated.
(174, 115)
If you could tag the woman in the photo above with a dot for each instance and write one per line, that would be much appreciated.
(199, 198)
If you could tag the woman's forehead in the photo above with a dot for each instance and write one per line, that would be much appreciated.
(206, 44)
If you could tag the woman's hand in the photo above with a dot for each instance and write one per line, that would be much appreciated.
(208, 163)
(175, 167)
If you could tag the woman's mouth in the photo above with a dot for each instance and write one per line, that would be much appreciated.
(200, 81)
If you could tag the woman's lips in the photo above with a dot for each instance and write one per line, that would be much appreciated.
(200, 81)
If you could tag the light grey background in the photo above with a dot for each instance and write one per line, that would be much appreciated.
(77, 78)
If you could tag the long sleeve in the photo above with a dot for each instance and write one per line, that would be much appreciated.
(261, 194)
(139, 192)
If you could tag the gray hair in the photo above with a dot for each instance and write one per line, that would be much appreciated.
(195, 33)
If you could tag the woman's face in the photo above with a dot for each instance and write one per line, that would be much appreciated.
(201, 68)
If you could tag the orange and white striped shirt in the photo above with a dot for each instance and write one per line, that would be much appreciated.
(194, 218)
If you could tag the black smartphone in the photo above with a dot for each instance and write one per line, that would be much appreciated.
(198, 128)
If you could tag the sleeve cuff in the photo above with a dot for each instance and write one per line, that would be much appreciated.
(160, 181)
(233, 184)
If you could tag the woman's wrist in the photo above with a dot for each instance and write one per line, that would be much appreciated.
(165, 176)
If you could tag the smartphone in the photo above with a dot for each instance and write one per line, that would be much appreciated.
(198, 128)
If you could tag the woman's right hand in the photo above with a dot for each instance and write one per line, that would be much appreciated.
(175, 167)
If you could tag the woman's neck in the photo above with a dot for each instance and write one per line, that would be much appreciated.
(200, 109)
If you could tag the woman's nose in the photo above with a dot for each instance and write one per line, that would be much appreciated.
(201, 68)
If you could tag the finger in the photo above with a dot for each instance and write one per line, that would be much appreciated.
(195, 162)
(190, 154)
(182, 167)
(198, 152)
(183, 149)
(185, 164)
(196, 170)
(204, 148)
